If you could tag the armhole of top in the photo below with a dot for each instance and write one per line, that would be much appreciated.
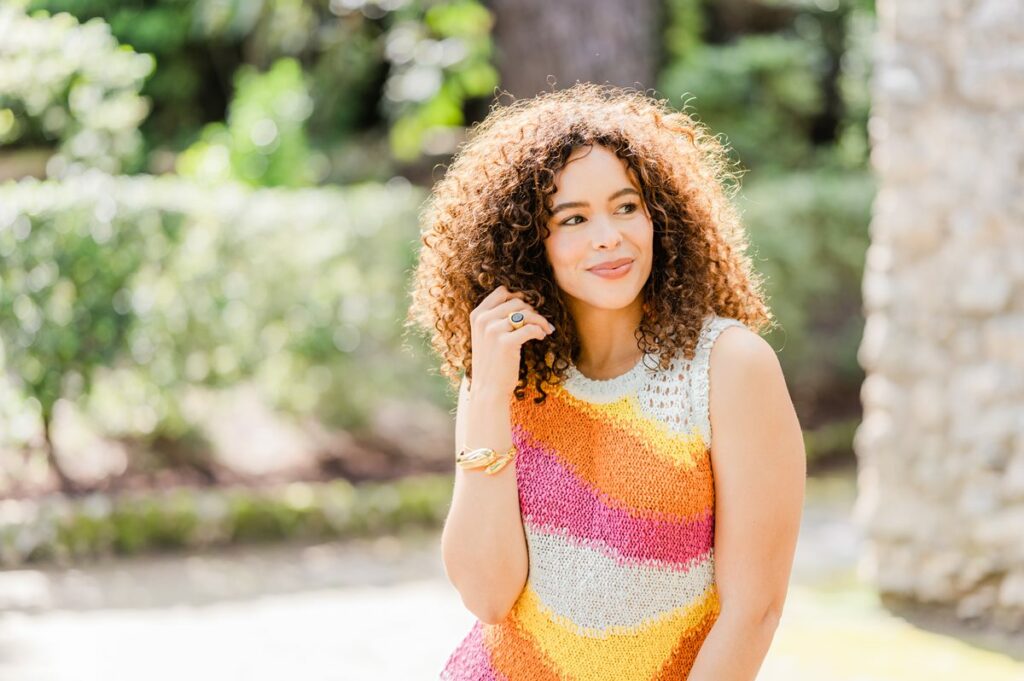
(701, 373)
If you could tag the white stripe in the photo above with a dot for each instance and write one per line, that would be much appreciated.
(594, 590)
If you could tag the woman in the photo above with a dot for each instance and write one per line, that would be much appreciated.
(580, 260)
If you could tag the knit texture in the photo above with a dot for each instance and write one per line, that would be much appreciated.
(617, 500)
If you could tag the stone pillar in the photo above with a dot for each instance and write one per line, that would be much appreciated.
(941, 447)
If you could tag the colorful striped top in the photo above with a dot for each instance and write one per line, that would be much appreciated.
(617, 500)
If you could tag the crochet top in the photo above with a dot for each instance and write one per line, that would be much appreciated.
(617, 501)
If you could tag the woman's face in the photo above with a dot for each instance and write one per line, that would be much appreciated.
(598, 216)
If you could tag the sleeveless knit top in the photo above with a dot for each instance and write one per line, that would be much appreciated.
(617, 500)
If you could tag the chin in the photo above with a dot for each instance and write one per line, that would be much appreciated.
(604, 301)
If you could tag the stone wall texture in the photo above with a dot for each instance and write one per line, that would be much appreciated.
(941, 447)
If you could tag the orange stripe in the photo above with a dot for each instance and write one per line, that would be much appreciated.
(616, 462)
(514, 655)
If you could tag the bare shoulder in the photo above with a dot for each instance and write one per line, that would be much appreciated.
(738, 352)
(746, 386)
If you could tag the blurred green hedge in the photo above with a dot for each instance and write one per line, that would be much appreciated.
(809, 232)
(169, 283)
(64, 531)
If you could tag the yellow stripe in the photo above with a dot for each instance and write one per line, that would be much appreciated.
(681, 449)
(588, 655)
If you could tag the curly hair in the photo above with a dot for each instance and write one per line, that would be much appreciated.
(485, 222)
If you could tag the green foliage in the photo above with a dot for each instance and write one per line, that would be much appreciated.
(833, 439)
(790, 98)
(101, 525)
(85, 99)
(761, 92)
(853, 86)
(407, 65)
(793, 97)
(164, 283)
(197, 44)
(439, 59)
(809, 232)
(264, 142)
(151, 523)
(684, 28)
(65, 288)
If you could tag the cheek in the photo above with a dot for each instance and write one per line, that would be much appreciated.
(560, 252)
(645, 236)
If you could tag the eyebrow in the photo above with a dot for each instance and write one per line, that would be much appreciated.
(580, 204)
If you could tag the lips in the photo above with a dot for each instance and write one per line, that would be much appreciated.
(610, 265)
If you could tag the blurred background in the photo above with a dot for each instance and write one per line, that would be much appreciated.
(222, 456)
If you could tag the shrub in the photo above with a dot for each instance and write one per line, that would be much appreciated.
(157, 283)
(72, 83)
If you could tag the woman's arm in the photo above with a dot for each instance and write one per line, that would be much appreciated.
(760, 466)
(483, 543)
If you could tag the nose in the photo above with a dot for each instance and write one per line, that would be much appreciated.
(605, 235)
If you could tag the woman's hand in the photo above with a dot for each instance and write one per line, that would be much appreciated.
(496, 345)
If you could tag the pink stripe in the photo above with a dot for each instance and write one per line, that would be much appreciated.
(471, 661)
(550, 494)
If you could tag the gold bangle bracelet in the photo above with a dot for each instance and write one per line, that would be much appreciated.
(475, 458)
(484, 457)
(500, 463)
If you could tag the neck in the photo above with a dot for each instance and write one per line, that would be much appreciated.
(607, 338)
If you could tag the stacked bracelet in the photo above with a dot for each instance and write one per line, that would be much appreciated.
(486, 458)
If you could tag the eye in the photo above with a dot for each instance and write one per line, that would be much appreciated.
(633, 207)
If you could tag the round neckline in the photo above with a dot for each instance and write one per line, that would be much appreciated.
(603, 388)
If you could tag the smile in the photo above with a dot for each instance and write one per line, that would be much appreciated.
(614, 272)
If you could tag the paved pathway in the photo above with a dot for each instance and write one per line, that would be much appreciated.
(354, 610)
(383, 610)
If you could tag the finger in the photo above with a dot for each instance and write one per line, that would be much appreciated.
(501, 310)
(517, 303)
(524, 333)
(505, 297)
(502, 325)
(492, 299)
(507, 308)
(496, 296)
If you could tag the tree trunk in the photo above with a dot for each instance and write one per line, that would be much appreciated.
(614, 41)
(67, 484)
